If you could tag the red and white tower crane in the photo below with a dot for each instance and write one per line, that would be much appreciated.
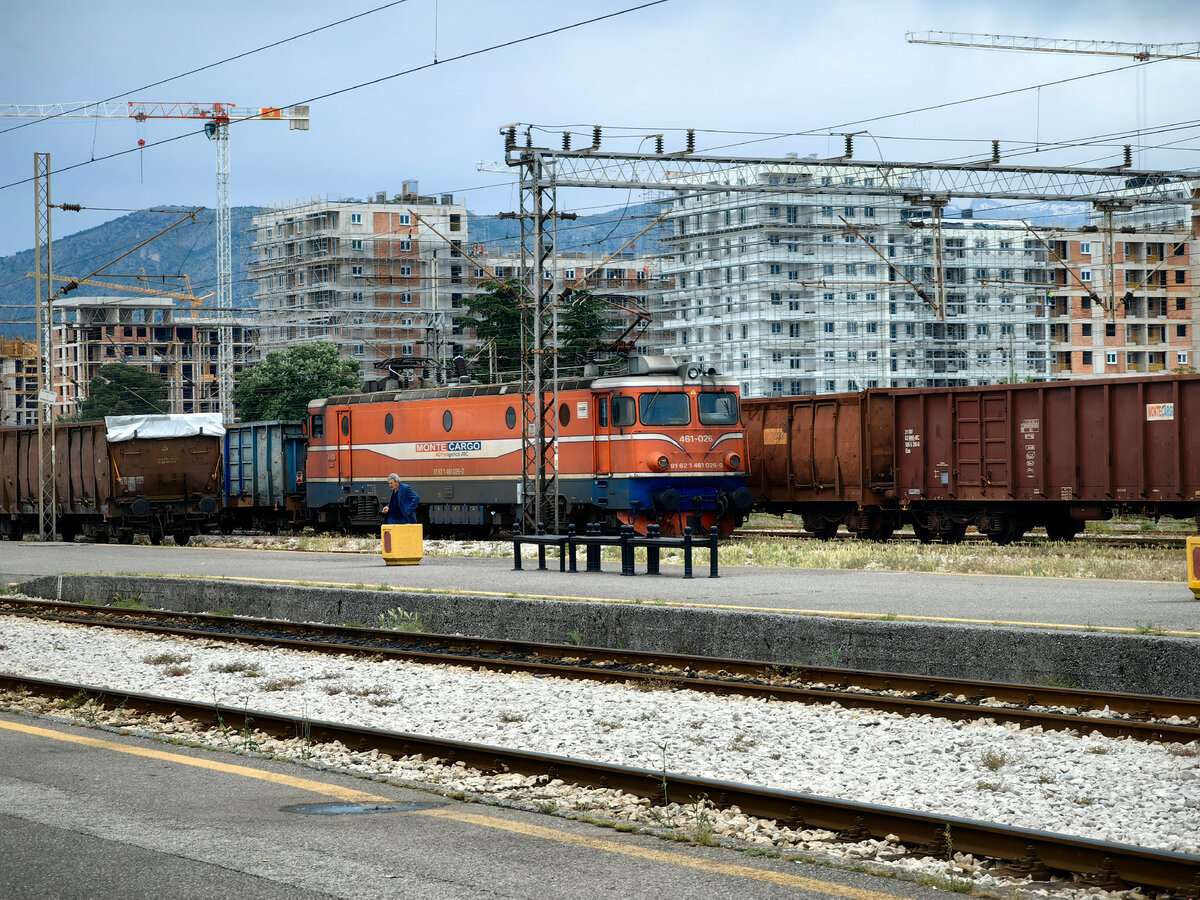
(217, 118)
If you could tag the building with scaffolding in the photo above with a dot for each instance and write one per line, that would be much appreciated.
(18, 382)
(155, 334)
(805, 293)
(379, 278)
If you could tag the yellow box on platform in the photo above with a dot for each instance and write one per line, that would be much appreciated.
(402, 545)
(1193, 564)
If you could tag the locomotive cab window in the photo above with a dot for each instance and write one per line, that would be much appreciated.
(318, 426)
(510, 417)
(717, 408)
(664, 409)
(564, 414)
(447, 421)
(624, 413)
(388, 423)
(602, 412)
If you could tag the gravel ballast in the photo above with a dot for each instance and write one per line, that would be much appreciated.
(1080, 784)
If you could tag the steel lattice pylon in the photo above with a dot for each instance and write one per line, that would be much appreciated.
(539, 433)
(44, 269)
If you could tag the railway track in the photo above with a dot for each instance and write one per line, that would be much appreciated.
(1142, 717)
(1026, 852)
(907, 537)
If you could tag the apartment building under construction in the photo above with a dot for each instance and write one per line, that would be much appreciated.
(380, 278)
(156, 334)
(18, 382)
(805, 293)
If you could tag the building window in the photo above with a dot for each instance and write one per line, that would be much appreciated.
(1180, 331)
(776, 328)
(1087, 357)
(1087, 329)
(1085, 275)
(1181, 358)
(356, 245)
(1110, 358)
(405, 271)
(1180, 276)
(356, 270)
(1110, 329)
(355, 219)
(828, 328)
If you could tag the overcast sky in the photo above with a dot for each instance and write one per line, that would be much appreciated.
(731, 70)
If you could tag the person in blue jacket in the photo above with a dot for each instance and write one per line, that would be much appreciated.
(401, 507)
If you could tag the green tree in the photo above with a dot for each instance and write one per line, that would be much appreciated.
(281, 386)
(122, 390)
(496, 313)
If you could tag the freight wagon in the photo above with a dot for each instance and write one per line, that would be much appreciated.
(264, 476)
(1001, 458)
(157, 475)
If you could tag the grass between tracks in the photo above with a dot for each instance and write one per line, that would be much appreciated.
(1080, 559)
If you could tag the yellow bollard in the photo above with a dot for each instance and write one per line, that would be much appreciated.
(1193, 565)
(402, 545)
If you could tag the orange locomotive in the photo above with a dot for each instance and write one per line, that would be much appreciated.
(661, 443)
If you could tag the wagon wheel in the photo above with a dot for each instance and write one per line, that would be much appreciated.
(124, 536)
(15, 530)
(156, 533)
(1063, 529)
(822, 529)
(952, 532)
(182, 538)
(923, 534)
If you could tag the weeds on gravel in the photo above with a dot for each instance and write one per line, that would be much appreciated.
(166, 658)
(993, 759)
(281, 684)
(223, 611)
(247, 669)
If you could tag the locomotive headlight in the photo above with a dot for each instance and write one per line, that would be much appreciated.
(733, 461)
(658, 463)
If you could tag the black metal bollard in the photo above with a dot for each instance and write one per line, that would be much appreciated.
(687, 552)
(541, 530)
(627, 550)
(712, 552)
(571, 546)
(652, 532)
(593, 549)
(517, 547)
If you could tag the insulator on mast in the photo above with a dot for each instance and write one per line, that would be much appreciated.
(566, 140)
(595, 137)
(691, 140)
(1128, 156)
(849, 154)
(510, 138)
(658, 144)
(995, 151)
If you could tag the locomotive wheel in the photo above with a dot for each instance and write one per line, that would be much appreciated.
(15, 530)
(124, 536)
(182, 538)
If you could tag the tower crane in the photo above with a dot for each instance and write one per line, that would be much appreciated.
(1141, 52)
(217, 117)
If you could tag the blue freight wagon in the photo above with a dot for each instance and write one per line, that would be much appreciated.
(264, 476)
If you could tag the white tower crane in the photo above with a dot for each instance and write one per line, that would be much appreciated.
(1141, 52)
(217, 117)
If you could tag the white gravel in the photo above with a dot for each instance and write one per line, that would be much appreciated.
(1085, 785)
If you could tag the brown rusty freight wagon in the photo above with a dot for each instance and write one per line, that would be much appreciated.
(157, 475)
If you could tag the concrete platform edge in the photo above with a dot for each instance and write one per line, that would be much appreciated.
(1136, 663)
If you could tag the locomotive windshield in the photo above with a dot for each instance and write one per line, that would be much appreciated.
(717, 408)
(664, 409)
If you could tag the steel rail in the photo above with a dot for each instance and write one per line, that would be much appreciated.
(1035, 853)
(713, 676)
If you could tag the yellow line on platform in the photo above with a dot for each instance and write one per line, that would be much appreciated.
(350, 795)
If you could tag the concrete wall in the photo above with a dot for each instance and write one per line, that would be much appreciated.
(1146, 664)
